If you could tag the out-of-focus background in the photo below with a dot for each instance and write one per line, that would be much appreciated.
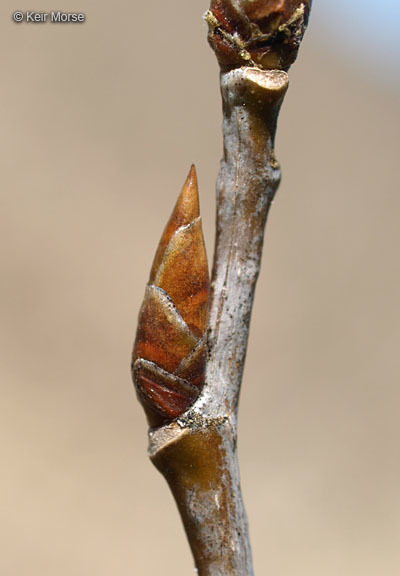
(99, 125)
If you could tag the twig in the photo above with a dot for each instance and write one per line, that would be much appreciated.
(196, 452)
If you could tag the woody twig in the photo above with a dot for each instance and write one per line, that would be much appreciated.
(189, 380)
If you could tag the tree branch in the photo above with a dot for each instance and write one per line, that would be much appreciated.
(196, 452)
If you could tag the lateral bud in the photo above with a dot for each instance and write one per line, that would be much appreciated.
(168, 360)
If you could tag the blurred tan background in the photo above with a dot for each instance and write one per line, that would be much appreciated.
(100, 122)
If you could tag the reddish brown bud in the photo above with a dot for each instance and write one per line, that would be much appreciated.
(266, 33)
(168, 360)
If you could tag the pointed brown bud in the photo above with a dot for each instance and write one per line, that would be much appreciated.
(265, 33)
(168, 360)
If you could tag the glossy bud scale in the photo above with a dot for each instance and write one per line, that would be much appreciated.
(264, 33)
(168, 360)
